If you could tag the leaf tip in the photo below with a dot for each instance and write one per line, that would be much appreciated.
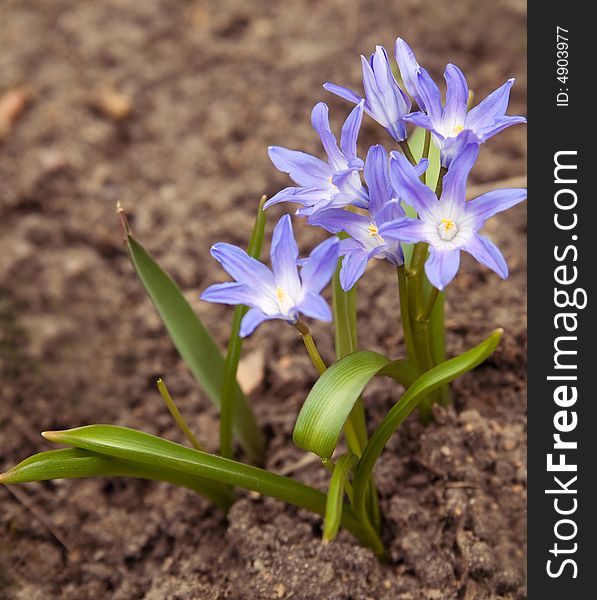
(51, 436)
(123, 220)
(8, 477)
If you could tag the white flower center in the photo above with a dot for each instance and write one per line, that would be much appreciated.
(284, 300)
(373, 231)
(447, 230)
(457, 129)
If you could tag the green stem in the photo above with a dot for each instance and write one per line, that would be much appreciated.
(426, 148)
(355, 429)
(235, 344)
(420, 332)
(344, 304)
(430, 304)
(440, 181)
(406, 321)
(408, 153)
(331, 467)
(417, 274)
(178, 418)
(311, 347)
(437, 330)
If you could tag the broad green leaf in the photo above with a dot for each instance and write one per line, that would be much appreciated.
(429, 381)
(74, 463)
(333, 396)
(334, 504)
(401, 370)
(235, 344)
(331, 399)
(195, 345)
(139, 447)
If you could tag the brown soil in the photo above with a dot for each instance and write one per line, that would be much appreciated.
(168, 106)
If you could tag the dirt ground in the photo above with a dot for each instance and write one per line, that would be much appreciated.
(168, 106)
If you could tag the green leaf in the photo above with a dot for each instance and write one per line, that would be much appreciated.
(401, 370)
(74, 463)
(195, 345)
(334, 504)
(139, 447)
(426, 383)
(235, 344)
(416, 141)
(331, 399)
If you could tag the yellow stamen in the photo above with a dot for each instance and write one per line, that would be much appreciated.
(457, 129)
(373, 230)
(280, 294)
(448, 224)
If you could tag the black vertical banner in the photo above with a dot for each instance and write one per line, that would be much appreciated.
(562, 423)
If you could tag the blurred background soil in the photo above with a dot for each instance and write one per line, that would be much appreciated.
(168, 106)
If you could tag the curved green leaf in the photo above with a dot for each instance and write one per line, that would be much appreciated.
(401, 370)
(74, 463)
(322, 417)
(195, 345)
(429, 381)
(139, 447)
(334, 504)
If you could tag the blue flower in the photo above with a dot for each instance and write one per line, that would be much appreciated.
(366, 241)
(280, 293)
(410, 71)
(323, 185)
(452, 126)
(384, 100)
(450, 224)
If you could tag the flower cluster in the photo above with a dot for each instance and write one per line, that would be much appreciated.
(365, 201)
